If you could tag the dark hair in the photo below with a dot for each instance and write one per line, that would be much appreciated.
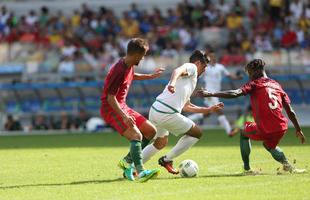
(198, 55)
(137, 45)
(256, 65)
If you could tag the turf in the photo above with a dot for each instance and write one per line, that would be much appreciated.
(83, 167)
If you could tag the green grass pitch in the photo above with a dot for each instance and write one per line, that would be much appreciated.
(83, 167)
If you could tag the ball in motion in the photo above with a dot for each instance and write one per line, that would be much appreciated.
(188, 168)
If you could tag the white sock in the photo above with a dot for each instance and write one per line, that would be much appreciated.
(148, 152)
(224, 123)
(183, 144)
(196, 116)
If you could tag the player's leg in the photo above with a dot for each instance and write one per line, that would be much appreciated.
(224, 122)
(134, 136)
(220, 115)
(147, 129)
(249, 132)
(185, 142)
(245, 150)
(150, 150)
(191, 137)
(277, 154)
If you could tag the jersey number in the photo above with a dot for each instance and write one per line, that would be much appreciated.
(274, 100)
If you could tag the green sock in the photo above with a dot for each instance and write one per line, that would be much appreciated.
(136, 155)
(144, 143)
(245, 148)
(277, 154)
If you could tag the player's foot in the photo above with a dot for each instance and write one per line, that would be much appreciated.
(168, 165)
(234, 132)
(250, 172)
(293, 170)
(127, 168)
(128, 172)
(146, 175)
(135, 174)
(122, 164)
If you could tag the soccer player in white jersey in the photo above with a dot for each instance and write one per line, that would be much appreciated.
(165, 112)
(212, 78)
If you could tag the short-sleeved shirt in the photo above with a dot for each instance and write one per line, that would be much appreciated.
(213, 77)
(184, 87)
(117, 83)
(267, 97)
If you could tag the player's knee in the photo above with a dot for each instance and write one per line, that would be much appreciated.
(149, 131)
(160, 143)
(137, 136)
(243, 136)
(195, 131)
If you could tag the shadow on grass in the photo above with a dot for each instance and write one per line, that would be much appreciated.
(234, 175)
(62, 184)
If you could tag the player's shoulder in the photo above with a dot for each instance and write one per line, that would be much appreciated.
(119, 65)
(190, 67)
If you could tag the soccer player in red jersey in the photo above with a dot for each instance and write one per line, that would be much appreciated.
(267, 100)
(114, 110)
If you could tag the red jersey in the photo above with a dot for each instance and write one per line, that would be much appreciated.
(117, 83)
(267, 97)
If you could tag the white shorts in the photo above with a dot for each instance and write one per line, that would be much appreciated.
(176, 123)
(211, 101)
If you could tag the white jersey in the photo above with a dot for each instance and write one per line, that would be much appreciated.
(213, 77)
(184, 87)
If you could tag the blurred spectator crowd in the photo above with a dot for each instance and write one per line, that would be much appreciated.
(83, 121)
(91, 39)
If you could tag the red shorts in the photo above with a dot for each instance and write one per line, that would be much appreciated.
(116, 121)
(271, 140)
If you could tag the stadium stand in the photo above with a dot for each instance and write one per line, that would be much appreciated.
(54, 59)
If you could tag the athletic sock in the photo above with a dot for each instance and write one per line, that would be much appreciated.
(278, 155)
(135, 153)
(196, 116)
(148, 152)
(184, 143)
(224, 123)
(144, 143)
(245, 148)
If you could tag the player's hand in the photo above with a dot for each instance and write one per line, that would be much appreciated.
(216, 107)
(202, 93)
(171, 88)
(301, 136)
(129, 121)
(158, 72)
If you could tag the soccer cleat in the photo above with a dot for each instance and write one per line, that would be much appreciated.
(234, 132)
(128, 169)
(293, 170)
(128, 172)
(168, 165)
(146, 175)
(250, 172)
(122, 164)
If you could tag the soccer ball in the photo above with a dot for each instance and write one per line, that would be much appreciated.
(188, 168)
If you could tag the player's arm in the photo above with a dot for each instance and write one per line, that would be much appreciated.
(178, 72)
(223, 94)
(156, 74)
(292, 116)
(234, 76)
(116, 107)
(189, 107)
